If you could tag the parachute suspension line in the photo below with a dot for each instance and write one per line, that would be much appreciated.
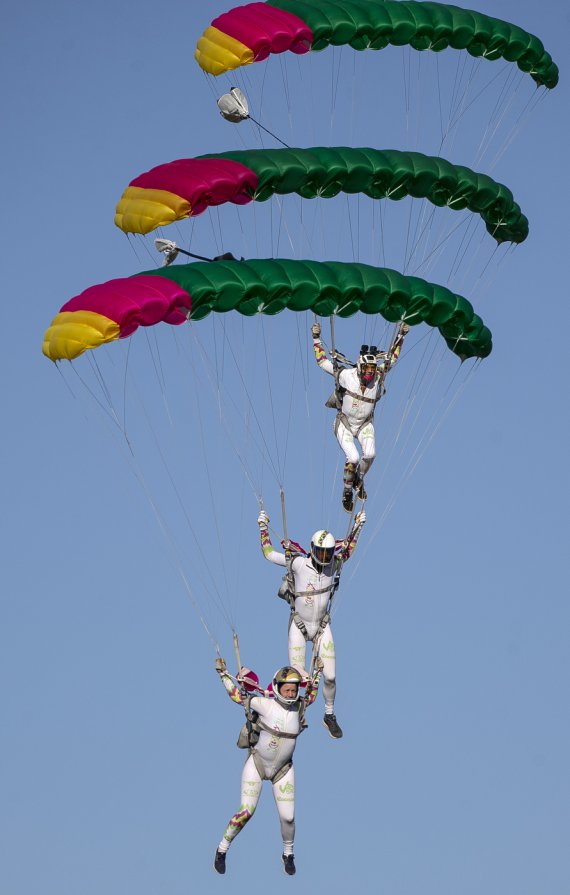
(64, 380)
(466, 106)
(427, 438)
(494, 126)
(459, 74)
(125, 386)
(484, 290)
(291, 394)
(410, 213)
(521, 122)
(229, 432)
(425, 231)
(137, 473)
(220, 231)
(211, 491)
(439, 99)
(107, 399)
(350, 228)
(109, 413)
(251, 405)
(406, 80)
(284, 221)
(133, 246)
(428, 375)
(169, 539)
(287, 92)
(421, 90)
(381, 207)
(482, 274)
(412, 390)
(158, 371)
(280, 465)
(486, 139)
(460, 93)
(216, 596)
(426, 258)
(466, 279)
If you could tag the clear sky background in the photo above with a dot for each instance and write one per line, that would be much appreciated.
(118, 766)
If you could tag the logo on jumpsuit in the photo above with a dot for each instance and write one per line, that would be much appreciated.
(288, 788)
(309, 599)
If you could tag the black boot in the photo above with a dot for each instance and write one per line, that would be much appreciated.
(289, 864)
(359, 488)
(332, 726)
(347, 500)
(220, 861)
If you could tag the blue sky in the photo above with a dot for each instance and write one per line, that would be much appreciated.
(119, 769)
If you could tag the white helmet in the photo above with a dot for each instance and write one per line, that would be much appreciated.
(367, 364)
(322, 548)
(286, 675)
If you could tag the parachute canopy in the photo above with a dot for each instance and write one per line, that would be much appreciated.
(253, 32)
(186, 187)
(113, 310)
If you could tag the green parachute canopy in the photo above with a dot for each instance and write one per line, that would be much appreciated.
(329, 288)
(252, 32)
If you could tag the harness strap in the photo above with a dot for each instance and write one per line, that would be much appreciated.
(296, 619)
(277, 776)
(342, 418)
(361, 397)
(277, 733)
(314, 593)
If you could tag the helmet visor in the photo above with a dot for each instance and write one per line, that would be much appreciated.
(323, 555)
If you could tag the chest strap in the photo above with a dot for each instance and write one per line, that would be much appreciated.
(361, 397)
(315, 593)
(277, 733)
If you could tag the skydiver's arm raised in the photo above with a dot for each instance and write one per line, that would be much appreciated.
(266, 545)
(321, 358)
(396, 348)
(232, 689)
(359, 521)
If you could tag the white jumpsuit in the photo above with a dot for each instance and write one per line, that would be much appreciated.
(275, 752)
(356, 416)
(355, 419)
(312, 592)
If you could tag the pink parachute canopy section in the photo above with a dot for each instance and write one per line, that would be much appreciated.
(251, 33)
(182, 189)
(114, 310)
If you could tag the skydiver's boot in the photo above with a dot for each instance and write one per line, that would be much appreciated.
(220, 861)
(289, 865)
(348, 483)
(332, 726)
(359, 489)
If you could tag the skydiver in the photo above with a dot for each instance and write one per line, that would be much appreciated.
(357, 392)
(309, 588)
(277, 722)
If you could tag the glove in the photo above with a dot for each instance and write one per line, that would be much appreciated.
(220, 665)
(404, 329)
(263, 519)
(319, 664)
(360, 518)
(316, 330)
